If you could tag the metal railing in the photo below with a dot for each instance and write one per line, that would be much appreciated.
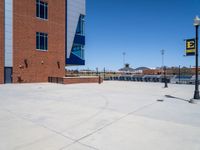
(56, 80)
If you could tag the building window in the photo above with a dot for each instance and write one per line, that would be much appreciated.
(41, 9)
(81, 25)
(41, 41)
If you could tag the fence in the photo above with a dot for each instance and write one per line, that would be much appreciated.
(56, 80)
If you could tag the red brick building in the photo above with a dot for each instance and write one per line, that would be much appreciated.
(34, 39)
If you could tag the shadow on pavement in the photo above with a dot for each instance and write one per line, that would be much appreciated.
(178, 98)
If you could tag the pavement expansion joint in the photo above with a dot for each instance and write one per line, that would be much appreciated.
(111, 123)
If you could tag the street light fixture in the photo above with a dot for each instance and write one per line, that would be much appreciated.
(196, 92)
(196, 21)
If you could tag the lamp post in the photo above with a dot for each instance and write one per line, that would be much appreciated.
(165, 77)
(97, 71)
(196, 92)
(164, 68)
(179, 74)
(104, 72)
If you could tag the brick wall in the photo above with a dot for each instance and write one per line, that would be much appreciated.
(152, 72)
(1, 41)
(29, 64)
(74, 80)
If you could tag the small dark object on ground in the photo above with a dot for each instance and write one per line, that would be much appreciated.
(160, 100)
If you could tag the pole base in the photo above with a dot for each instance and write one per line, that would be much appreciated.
(166, 86)
(196, 94)
(194, 101)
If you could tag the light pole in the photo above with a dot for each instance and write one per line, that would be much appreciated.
(124, 54)
(164, 68)
(97, 71)
(104, 72)
(162, 53)
(196, 92)
(165, 77)
(179, 74)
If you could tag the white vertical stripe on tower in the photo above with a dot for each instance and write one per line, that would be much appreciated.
(74, 9)
(8, 33)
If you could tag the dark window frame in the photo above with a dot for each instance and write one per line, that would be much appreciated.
(41, 5)
(41, 41)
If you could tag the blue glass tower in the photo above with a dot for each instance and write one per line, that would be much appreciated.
(75, 32)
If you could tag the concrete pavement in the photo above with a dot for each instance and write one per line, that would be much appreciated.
(110, 116)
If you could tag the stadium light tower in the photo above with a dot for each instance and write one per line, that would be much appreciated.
(162, 53)
(124, 54)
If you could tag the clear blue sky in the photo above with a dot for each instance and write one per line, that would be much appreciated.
(141, 28)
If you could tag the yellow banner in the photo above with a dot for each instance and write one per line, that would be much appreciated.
(190, 51)
(190, 47)
(190, 44)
